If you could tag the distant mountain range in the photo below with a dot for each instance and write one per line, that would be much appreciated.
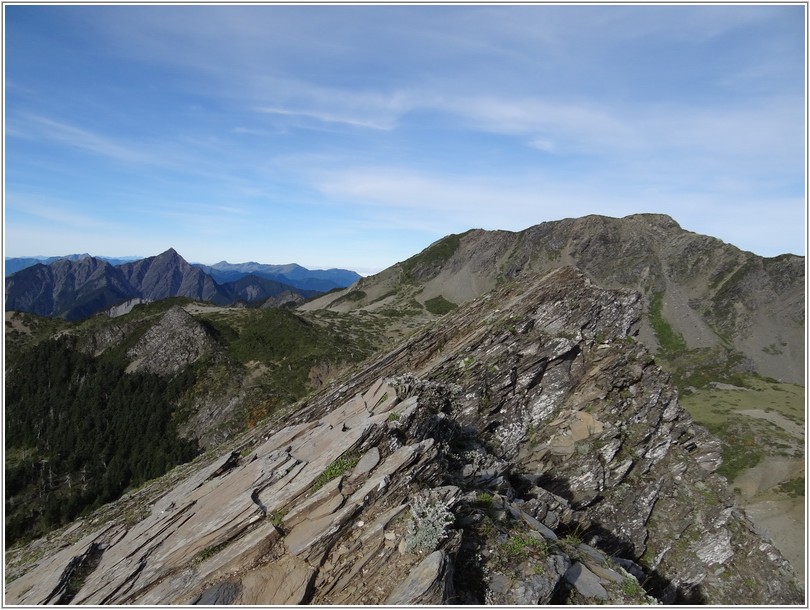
(13, 265)
(292, 275)
(78, 286)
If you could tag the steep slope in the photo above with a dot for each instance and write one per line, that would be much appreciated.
(94, 407)
(252, 289)
(526, 450)
(169, 275)
(67, 289)
(76, 289)
(711, 294)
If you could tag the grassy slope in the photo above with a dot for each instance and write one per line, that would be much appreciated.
(747, 440)
(764, 461)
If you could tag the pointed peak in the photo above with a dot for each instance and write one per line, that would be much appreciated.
(170, 254)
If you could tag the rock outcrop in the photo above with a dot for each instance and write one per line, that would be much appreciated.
(176, 341)
(527, 450)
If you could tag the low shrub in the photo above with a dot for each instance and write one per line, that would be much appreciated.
(428, 525)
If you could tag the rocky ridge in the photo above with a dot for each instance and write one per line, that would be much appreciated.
(525, 450)
(713, 294)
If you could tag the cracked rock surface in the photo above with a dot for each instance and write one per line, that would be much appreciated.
(531, 453)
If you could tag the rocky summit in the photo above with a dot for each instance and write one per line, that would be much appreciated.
(525, 449)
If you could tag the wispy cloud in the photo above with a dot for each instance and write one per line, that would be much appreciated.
(324, 116)
(251, 125)
(72, 136)
(61, 214)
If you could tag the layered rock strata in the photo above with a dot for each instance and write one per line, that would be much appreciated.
(526, 450)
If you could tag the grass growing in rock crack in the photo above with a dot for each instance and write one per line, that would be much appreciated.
(631, 587)
(517, 548)
(575, 536)
(208, 552)
(276, 517)
(336, 469)
(484, 499)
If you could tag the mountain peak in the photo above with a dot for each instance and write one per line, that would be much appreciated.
(170, 257)
(171, 252)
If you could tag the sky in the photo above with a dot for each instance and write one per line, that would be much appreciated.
(354, 136)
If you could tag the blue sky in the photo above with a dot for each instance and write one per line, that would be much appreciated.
(354, 136)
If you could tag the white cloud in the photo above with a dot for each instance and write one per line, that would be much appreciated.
(62, 214)
(325, 116)
(41, 127)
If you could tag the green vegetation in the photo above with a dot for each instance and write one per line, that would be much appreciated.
(741, 450)
(632, 588)
(208, 552)
(432, 257)
(408, 309)
(439, 305)
(697, 368)
(80, 431)
(671, 341)
(24, 330)
(484, 499)
(519, 547)
(336, 469)
(575, 536)
(747, 440)
(713, 405)
(289, 345)
(276, 517)
(794, 487)
(351, 297)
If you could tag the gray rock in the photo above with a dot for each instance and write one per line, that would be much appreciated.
(366, 464)
(631, 567)
(430, 582)
(535, 524)
(221, 594)
(593, 554)
(532, 590)
(586, 582)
